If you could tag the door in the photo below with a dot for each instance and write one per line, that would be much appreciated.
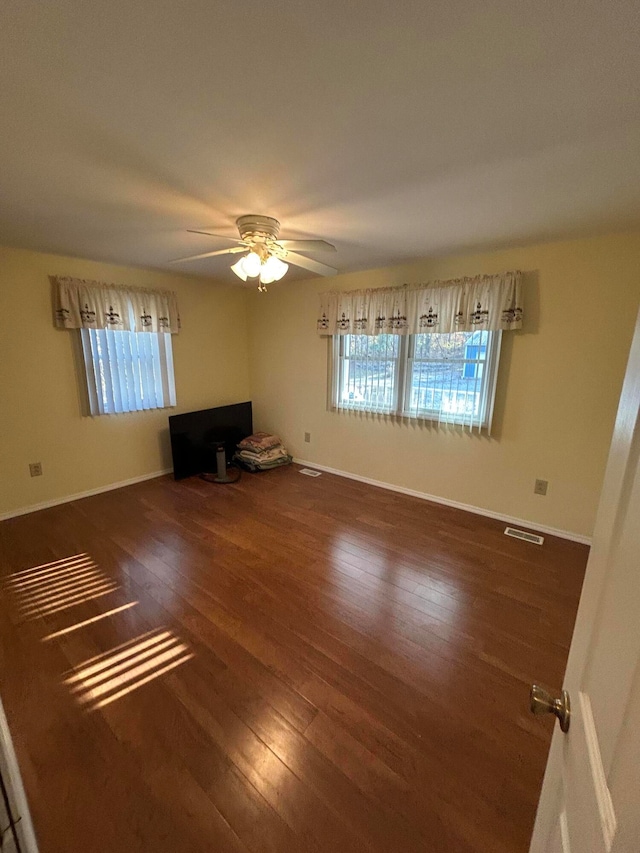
(16, 829)
(590, 799)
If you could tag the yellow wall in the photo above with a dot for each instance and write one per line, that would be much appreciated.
(558, 384)
(40, 418)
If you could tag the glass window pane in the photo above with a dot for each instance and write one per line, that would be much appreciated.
(369, 384)
(447, 373)
(380, 346)
(368, 373)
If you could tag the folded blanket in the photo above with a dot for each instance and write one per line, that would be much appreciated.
(259, 441)
(264, 456)
(252, 465)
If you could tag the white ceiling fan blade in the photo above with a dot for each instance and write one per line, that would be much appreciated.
(210, 254)
(308, 264)
(211, 234)
(307, 245)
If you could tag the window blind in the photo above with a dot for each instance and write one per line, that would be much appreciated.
(128, 371)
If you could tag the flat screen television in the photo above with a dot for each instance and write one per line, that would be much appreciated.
(195, 437)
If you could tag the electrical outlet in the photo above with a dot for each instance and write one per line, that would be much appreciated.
(307, 437)
(540, 487)
(35, 469)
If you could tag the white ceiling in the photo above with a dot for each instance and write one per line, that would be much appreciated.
(394, 130)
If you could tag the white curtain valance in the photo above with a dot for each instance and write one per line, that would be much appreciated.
(489, 302)
(81, 304)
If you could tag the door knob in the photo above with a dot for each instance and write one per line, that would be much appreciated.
(542, 702)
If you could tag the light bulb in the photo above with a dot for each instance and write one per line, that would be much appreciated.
(238, 269)
(251, 264)
(266, 277)
(275, 268)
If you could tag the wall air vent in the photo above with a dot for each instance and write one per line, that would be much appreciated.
(522, 534)
(309, 472)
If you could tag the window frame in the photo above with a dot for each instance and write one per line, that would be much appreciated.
(403, 381)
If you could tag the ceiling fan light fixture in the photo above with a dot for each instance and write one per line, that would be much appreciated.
(275, 268)
(268, 271)
(248, 266)
(238, 269)
(251, 264)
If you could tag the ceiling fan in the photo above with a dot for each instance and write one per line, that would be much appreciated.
(267, 255)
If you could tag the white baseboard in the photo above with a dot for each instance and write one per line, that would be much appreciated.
(509, 519)
(68, 498)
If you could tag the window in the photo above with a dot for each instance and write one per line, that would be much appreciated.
(445, 377)
(128, 371)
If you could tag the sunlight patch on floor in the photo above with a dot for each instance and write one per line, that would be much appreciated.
(51, 567)
(52, 587)
(86, 622)
(105, 678)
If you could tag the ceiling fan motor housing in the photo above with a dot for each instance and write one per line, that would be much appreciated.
(258, 228)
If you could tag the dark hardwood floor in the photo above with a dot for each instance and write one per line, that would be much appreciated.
(293, 664)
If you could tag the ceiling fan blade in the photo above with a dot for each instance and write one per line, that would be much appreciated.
(211, 234)
(307, 245)
(308, 264)
(210, 254)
